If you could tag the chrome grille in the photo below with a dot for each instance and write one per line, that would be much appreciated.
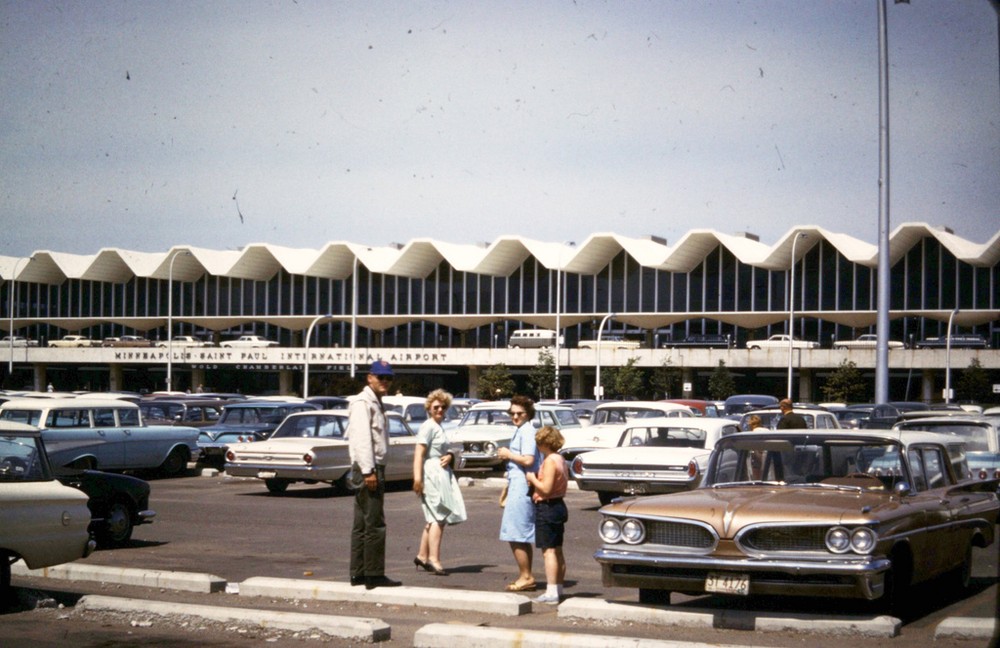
(785, 538)
(678, 534)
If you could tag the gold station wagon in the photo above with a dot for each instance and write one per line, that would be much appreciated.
(860, 515)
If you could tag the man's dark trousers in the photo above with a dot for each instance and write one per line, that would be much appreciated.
(368, 532)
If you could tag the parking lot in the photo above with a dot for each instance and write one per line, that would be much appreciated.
(233, 529)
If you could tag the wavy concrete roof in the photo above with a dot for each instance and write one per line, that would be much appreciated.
(420, 257)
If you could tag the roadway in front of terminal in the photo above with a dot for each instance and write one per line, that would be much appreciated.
(165, 588)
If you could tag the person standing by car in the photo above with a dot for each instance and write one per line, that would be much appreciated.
(518, 523)
(550, 510)
(435, 483)
(789, 419)
(368, 441)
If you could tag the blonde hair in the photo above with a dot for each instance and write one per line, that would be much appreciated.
(754, 422)
(549, 437)
(439, 395)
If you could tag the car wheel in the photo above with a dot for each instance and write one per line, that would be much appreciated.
(654, 596)
(276, 485)
(961, 576)
(117, 529)
(754, 348)
(605, 497)
(174, 464)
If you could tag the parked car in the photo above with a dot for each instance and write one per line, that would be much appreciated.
(181, 341)
(703, 340)
(816, 418)
(487, 427)
(17, 341)
(866, 341)
(245, 422)
(737, 404)
(127, 341)
(105, 434)
(411, 408)
(657, 455)
(248, 341)
(979, 434)
(117, 503)
(610, 419)
(958, 341)
(73, 342)
(699, 407)
(608, 342)
(310, 447)
(193, 412)
(830, 514)
(329, 402)
(42, 521)
(781, 342)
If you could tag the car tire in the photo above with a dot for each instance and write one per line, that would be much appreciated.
(604, 497)
(276, 485)
(117, 527)
(654, 596)
(753, 347)
(174, 464)
(961, 576)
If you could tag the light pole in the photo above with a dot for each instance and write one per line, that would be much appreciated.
(791, 310)
(309, 331)
(10, 310)
(947, 360)
(170, 317)
(598, 390)
(558, 311)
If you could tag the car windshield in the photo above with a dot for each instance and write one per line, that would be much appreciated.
(312, 425)
(664, 437)
(830, 462)
(236, 415)
(20, 460)
(624, 414)
(486, 417)
(26, 416)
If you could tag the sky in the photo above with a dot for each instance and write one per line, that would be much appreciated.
(146, 125)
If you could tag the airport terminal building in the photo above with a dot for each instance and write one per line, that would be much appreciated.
(430, 298)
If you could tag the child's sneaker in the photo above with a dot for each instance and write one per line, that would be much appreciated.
(551, 599)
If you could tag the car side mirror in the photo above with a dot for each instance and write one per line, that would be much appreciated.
(901, 488)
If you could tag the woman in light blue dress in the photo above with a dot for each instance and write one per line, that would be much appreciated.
(518, 523)
(435, 483)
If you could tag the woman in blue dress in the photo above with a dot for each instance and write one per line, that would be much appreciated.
(435, 483)
(518, 523)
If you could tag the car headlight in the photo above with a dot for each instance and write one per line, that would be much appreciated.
(577, 468)
(863, 540)
(633, 531)
(838, 540)
(611, 530)
(489, 447)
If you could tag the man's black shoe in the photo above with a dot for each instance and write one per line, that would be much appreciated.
(371, 582)
(358, 580)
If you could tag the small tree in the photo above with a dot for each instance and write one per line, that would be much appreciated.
(666, 380)
(845, 384)
(974, 384)
(496, 382)
(625, 381)
(542, 377)
(721, 384)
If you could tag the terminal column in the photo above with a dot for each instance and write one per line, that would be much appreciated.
(576, 383)
(41, 381)
(116, 378)
(284, 381)
(473, 381)
(805, 385)
(687, 378)
(927, 385)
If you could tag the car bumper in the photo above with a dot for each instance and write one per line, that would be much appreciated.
(860, 578)
(636, 487)
(293, 473)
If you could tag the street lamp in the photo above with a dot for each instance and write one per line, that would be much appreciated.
(791, 310)
(947, 360)
(598, 390)
(170, 316)
(558, 311)
(305, 376)
(10, 310)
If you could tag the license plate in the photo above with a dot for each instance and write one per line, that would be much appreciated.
(266, 474)
(728, 583)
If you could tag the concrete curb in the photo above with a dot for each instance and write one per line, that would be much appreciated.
(183, 581)
(500, 603)
(446, 635)
(966, 628)
(600, 610)
(354, 628)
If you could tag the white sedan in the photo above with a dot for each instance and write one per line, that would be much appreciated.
(866, 341)
(610, 418)
(17, 341)
(661, 455)
(781, 342)
(181, 341)
(248, 341)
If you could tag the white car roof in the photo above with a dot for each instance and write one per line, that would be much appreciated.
(700, 422)
(78, 403)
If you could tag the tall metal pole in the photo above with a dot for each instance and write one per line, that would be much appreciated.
(598, 390)
(10, 310)
(305, 364)
(882, 296)
(791, 309)
(947, 361)
(354, 313)
(170, 317)
(558, 311)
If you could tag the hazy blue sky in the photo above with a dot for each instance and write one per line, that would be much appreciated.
(134, 124)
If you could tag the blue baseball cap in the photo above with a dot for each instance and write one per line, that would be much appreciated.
(381, 368)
